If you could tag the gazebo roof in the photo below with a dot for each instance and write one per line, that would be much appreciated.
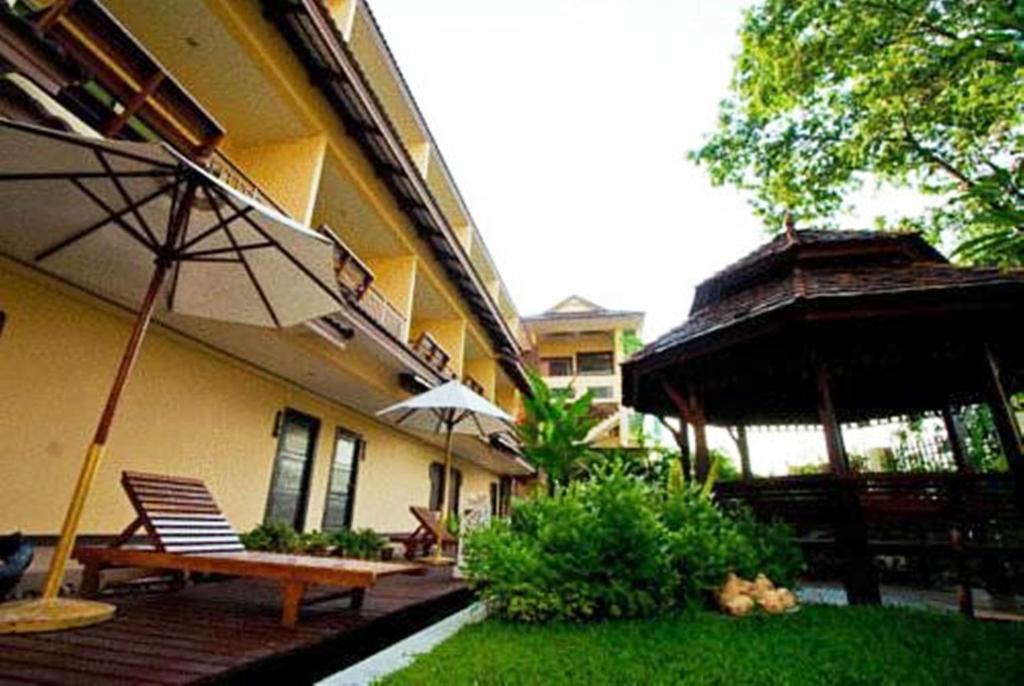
(851, 296)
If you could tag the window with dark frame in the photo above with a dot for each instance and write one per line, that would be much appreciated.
(557, 366)
(595, 364)
(289, 481)
(349, 448)
(436, 481)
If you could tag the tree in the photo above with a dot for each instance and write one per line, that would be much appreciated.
(927, 94)
(554, 433)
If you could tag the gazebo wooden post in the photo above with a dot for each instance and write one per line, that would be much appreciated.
(1006, 423)
(682, 439)
(701, 456)
(827, 415)
(744, 449)
(955, 433)
(860, 578)
(690, 411)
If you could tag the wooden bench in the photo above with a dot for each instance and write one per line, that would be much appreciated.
(187, 532)
(961, 517)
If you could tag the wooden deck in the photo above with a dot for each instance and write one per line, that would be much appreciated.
(229, 632)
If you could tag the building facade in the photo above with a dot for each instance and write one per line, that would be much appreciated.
(299, 104)
(579, 343)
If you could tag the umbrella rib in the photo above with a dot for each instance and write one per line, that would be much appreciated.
(60, 176)
(57, 247)
(479, 426)
(216, 227)
(176, 201)
(245, 263)
(126, 196)
(405, 416)
(252, 277)
(291, 258)
(133, 232)
(219, 251)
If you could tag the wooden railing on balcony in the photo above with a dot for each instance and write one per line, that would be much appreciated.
(95, 40)
(356, 282)
(474, 385)
(431, 352)
(221, 166)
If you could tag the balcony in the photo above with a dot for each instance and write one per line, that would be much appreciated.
(474, 385)
(355, 281)
(130, 94)
(431, 352)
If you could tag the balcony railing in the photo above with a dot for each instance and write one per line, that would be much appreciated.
(474, 385)
(132, 95)
(431, 352)
(356, 282)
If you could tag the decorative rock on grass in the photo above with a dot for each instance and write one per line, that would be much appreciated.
(739, 597)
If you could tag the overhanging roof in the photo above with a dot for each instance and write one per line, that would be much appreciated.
(307, 26)
(900, 329)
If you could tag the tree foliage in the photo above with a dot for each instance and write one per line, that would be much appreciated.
(555, 430)
(926, 94)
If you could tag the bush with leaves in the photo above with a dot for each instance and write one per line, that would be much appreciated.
(363, 544)
(275, 537)
(613, 546)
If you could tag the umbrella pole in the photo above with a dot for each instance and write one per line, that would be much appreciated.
(438, 556)
(51, 612)
(95, 453)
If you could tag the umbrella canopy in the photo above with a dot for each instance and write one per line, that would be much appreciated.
(450, 408)
(97, 213)
(126, 220)
(450, 405)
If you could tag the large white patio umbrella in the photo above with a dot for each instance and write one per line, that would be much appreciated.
(451, 408)
(122, 219)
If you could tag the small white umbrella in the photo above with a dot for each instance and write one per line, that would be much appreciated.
(119, 219)
(451, 409)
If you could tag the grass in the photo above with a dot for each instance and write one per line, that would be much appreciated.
(818, 645)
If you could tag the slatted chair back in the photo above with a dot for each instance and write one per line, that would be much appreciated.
(179, 514)
(431, 520)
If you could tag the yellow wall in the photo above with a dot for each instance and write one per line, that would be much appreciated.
(187, 410)
(289, 171)
(568, 346)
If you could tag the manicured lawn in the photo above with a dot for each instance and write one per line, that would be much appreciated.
(818, 645)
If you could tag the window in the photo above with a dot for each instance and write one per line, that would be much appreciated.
(436, 481)
(289, 481)
(505, 496)
(557, 366)
(341, 489)
(602, 392)
(595, 364)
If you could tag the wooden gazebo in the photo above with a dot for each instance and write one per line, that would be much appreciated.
(833, 327)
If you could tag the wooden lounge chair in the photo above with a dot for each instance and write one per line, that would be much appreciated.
(420, 541)
(188, 533)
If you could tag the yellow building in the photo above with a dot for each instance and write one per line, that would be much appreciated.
(299, 104)
(582, 344)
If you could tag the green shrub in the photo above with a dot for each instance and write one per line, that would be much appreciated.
(275, 537)
(314, 543)
(363, 544)
(615, 547)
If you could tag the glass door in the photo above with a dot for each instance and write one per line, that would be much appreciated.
(289, 484)
(341, 489)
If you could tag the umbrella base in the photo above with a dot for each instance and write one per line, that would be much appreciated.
(51, 614)
(436, 561)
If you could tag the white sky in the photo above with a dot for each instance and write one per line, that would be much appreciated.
(566, 124)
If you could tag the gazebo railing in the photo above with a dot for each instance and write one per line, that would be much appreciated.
(852, 519)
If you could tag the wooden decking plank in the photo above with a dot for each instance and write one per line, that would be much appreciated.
(124, 641)
(76, 669)
(113, 654)
(221, 629)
